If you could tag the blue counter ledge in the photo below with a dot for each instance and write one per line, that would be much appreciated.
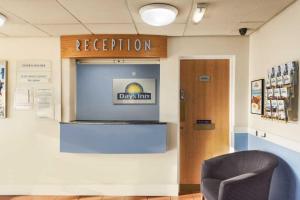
(113, 137)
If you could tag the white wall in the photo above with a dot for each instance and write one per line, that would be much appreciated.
(275, 43)
(204, 46)
(29, 148)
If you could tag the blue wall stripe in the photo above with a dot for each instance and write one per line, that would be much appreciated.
(286, 178)
(241, 141)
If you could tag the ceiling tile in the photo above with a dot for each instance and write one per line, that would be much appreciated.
(11, 18)
(38, 11)
(2, 35)
(21, 30)
(64, 29)
(112, 16)
(183, 6)
(226, 17)
(99, 11)
(112, 28)
(254, 10)
(207, 28)
(171, 30)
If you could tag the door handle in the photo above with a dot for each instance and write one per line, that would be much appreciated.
(182, 96)
(182, 105)
(204, 124)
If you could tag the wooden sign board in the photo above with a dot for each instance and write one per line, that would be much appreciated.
(113, 46)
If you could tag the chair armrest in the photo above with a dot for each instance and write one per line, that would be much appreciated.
(250, 186)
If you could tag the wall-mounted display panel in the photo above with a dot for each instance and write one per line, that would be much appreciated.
(282, 91)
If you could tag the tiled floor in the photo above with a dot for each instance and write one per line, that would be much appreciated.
(182, 197)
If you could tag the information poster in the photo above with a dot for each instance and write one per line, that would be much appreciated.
(23, 99)
(34, 71)
(34, 91)
(3, 74)
(257, 97)
(44, 103)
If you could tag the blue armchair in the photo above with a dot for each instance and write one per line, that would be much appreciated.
(244, 175)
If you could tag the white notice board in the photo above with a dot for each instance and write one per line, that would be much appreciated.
(34, 71)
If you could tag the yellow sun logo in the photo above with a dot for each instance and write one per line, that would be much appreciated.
(134, 88)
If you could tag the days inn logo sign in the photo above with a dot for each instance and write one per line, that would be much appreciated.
(134, 91)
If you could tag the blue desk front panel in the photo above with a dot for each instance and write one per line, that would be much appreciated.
(113, 138)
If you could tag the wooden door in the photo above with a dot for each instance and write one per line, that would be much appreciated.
(204, 96)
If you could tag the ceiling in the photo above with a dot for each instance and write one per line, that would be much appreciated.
(36, 18)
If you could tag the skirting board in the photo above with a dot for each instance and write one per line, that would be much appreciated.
(110, 190)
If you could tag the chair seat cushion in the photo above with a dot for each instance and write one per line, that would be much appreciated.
(210, 188)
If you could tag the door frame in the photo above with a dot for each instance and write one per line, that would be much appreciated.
(232, 63)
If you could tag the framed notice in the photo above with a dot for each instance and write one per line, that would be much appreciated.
(134, 91)
(257, 97)
(34, 71)
(3, 74)
(44, 103)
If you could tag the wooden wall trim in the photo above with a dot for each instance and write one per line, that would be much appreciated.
(113, 46)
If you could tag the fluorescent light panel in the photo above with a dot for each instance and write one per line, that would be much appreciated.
(199, 12)
(2, 19)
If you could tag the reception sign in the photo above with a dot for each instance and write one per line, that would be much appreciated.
(113, 46)
(134, 91)
(3, 74)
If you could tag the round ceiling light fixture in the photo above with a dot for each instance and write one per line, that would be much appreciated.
(158, 14)
(2, 19)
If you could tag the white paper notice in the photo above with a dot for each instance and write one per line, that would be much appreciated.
(23, 99)
(44, 103)
(34, 71)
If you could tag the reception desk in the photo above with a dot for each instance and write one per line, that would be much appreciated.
(113, 137)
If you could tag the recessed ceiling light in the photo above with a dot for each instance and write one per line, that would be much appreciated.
(2, 19)
(158, 14)
(199, 12)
